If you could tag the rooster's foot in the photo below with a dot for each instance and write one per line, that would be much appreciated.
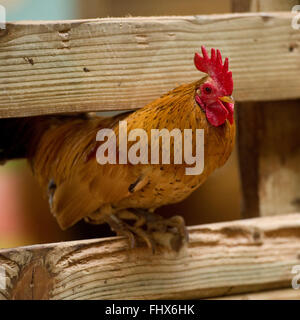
(150, 228)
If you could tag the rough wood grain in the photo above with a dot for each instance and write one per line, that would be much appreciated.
(269, 155)
(221, 259)
(269, 146)
(124, 63)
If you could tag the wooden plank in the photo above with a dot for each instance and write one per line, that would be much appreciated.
(279, 161)
(281, 294)
(269, 156)
(221, 259)
(124, 63)
(269, 146)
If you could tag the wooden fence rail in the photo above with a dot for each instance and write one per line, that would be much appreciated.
(221, 259)
(124, 63)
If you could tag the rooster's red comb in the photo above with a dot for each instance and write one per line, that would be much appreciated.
(215, 68)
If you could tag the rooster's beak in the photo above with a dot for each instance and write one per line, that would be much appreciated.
(228, 99)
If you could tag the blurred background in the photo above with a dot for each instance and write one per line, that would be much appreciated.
(24, 214)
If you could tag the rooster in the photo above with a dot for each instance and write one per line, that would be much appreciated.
(62, 153)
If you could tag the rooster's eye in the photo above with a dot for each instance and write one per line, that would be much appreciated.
(207, 89)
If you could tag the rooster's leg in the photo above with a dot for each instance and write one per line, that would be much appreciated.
(150, 228)
(118, 224)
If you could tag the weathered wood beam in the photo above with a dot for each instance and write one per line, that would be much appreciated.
(269, 156)
(221, 259)
(269, 145)
(124, 63)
